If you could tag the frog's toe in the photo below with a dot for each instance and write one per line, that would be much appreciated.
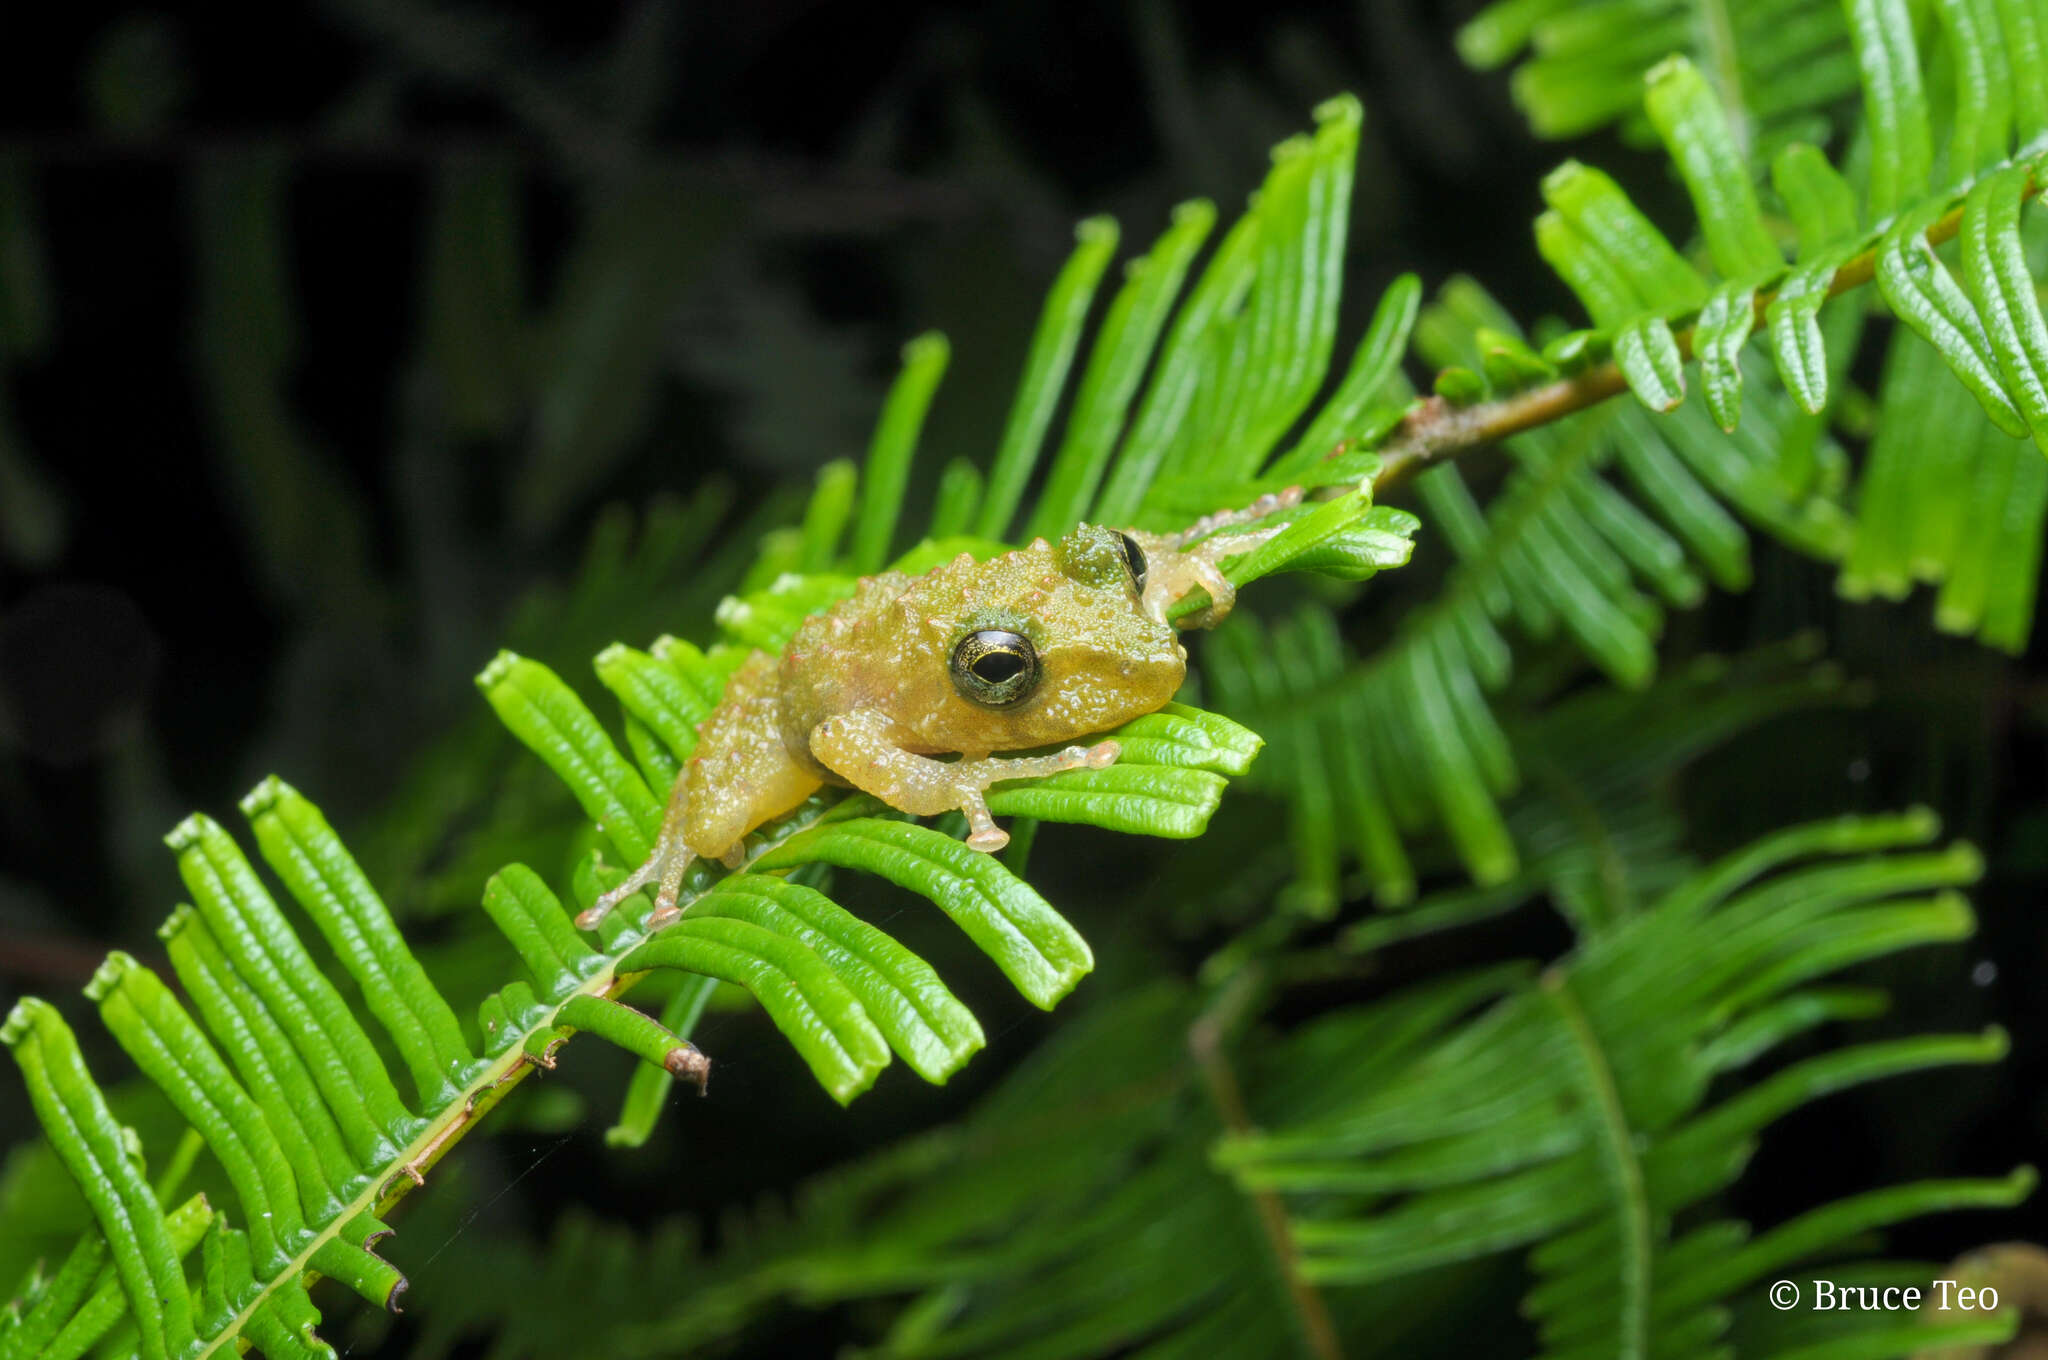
(982, 832)
(1100, 756)
(668, 894)
(592, 915)
(666, 864)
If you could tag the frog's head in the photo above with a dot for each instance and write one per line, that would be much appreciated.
(1052, 642)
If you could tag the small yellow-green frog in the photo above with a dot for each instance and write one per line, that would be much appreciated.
(1036, 647)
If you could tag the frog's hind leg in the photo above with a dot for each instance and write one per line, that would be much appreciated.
(739, 776)
(672, 855)
(857, 746)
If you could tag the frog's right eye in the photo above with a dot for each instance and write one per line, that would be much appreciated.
(1134, 561)
(995, 668)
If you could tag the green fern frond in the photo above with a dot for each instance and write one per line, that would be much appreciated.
(1232, 373)
(1784, 66)
(1565, 1112)
(1570, 1116)
(1596, 826)
(1950, 499)
(297, 1105)
(1098, 1139)
(1560, 552)
(1599, 823)
(1408, 742)
(1956, 118)
(1408, 750)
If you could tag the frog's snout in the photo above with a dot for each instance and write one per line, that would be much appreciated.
(1151, 671)
(1158, 673)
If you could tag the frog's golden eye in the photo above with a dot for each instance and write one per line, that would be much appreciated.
(1134, 561)
(995, 668)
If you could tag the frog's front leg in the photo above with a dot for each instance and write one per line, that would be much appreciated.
(858, 748)
(1174, 569)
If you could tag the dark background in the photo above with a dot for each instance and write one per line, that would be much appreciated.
(199, 589)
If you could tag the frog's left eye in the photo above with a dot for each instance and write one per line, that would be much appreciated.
(995, 668)
(1134, 560)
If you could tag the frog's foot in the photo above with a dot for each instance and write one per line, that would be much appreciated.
(664, 867)
(1178, 564)
(673, 863)
(1176, 575)
(982, 831)
(588, 918)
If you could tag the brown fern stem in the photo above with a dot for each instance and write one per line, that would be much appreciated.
(1434, 429)
(1206, 1041)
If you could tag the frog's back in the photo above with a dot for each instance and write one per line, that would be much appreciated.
(860, 653)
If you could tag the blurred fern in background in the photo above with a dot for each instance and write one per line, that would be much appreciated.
(1497, 955)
